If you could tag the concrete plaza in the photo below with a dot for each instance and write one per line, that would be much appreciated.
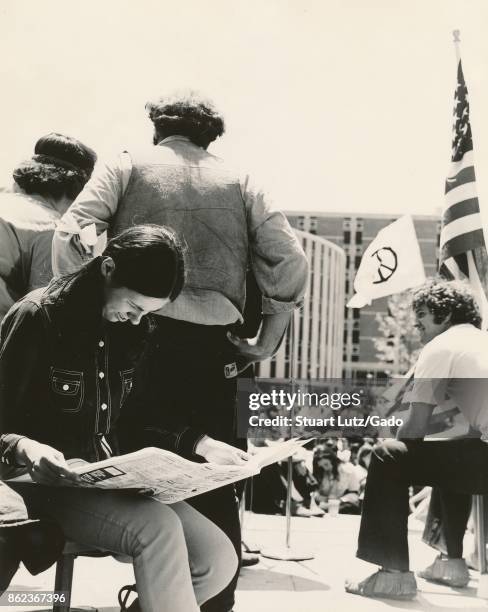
(315, 585)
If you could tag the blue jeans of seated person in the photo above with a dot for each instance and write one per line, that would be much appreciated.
(180, 558)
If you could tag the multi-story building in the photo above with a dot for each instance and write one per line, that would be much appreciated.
(353, 233)
(314, 339)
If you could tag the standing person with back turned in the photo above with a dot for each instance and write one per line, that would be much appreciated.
(227, 224)
(44, 187)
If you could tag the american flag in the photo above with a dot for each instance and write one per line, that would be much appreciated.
(462, 229)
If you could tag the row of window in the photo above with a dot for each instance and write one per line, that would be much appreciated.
(355, 336)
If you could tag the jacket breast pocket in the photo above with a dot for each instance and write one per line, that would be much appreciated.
(68, 389)
(127, 380)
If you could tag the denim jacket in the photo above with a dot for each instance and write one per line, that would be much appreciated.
(65, 373)
(225, 219)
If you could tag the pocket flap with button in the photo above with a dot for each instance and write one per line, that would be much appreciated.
(68, 388)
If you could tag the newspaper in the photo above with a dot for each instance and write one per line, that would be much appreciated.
(168, 478)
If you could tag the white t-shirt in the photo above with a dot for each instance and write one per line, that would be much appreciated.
(454, 367)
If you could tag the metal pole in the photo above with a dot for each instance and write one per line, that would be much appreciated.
(289, 482)
(287, 552)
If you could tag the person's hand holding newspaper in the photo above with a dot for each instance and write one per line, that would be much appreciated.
(221, 453)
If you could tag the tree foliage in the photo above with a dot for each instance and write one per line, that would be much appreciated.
(399, 345)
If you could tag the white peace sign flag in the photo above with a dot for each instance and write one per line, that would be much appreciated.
(391, 264)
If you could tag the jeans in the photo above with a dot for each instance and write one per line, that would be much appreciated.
(180, 558)
(458, 466)
(221, 506)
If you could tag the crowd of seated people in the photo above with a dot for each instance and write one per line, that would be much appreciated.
(323, 470)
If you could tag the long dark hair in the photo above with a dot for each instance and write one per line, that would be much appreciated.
(329, 454)
(148, 259)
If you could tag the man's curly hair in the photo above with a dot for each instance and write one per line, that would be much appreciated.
(186, 114)
(443, 298)
(61, 166)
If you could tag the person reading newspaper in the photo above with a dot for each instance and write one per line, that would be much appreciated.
(167, 477)
(68, 354)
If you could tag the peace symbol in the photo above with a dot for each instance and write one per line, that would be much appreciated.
(387, 264)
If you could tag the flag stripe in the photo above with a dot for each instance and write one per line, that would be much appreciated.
(465, 224)
(466, 175)
(464, 162)
(460, 209)
(461, 244)
(461, 194)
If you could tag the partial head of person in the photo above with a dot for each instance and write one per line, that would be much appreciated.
(58, 170)
(364, 455)
(143, 268)
(186, 114)
(440, 304)
(325, 462)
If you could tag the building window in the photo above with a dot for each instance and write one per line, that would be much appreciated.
(356, 313)
(272, 369)
(355, 336)
(359, 237)
(346, 224)
(347, 237)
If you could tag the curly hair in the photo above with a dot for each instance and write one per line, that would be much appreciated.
(60, 167)
(186, 114)
(443, 298)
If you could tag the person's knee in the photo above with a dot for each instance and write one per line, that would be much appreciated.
(390, 451)
(222, 564)
(155, 525)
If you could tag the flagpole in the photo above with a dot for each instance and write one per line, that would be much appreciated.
(477, 260)
(479, 284)
(479, 255)
(457, 43)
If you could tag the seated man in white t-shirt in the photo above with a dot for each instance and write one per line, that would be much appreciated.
(453, 365)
